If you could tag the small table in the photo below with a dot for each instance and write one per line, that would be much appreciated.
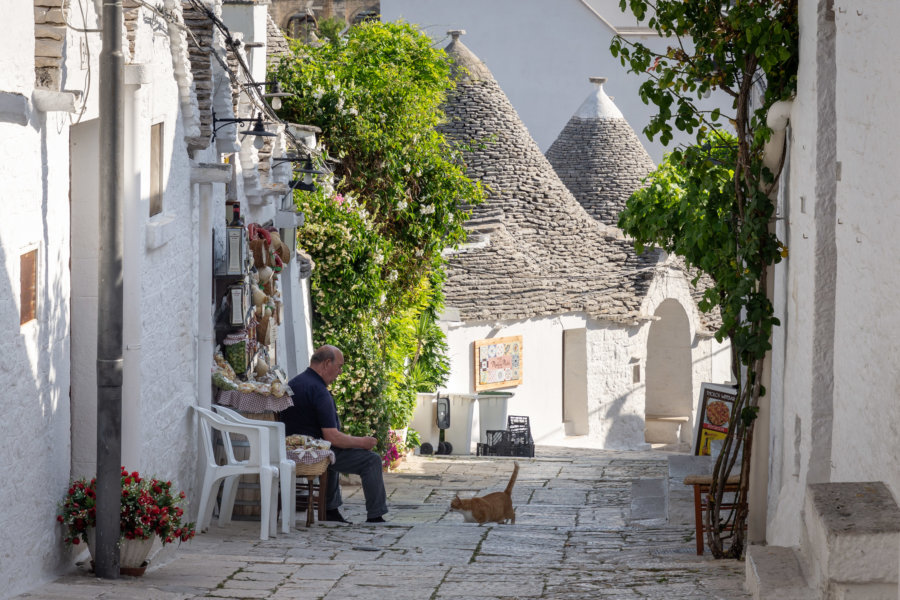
(701, 485)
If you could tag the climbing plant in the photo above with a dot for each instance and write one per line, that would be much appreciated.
(712, 203)
(398, 198)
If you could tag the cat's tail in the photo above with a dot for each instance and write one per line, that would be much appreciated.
(512, 480)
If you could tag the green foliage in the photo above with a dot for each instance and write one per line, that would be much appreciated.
(689, 208)
(330, 29)
(711, 203)
(376, 232)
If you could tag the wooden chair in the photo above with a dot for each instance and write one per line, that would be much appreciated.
(701, 485)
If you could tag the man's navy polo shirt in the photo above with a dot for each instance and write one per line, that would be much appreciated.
(313, 409)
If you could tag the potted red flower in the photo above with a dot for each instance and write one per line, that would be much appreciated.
(149, 510)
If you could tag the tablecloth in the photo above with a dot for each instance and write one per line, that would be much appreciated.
(252, 402)
(310, 456)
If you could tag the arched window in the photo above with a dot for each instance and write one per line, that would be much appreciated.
(302, 26)
(366, 14)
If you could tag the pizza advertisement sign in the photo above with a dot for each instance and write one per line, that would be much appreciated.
(498, 363)
(716, 406)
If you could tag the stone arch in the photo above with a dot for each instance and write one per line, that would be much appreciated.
(301, 25)
(366, 13)
(668, 402)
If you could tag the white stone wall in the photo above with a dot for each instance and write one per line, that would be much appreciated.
(164, 297)
(34, 370)
(867, 324)
(541, 54)
(540, 394)
(841, 278)
(790, 445)
(710, 360)
(615, 403)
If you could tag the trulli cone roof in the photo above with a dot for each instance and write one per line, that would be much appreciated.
(599, 156)
(544, 254)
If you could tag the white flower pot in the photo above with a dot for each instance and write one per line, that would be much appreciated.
(132, 553)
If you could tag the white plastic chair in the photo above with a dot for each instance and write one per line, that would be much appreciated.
(257, 463)
(278, 458)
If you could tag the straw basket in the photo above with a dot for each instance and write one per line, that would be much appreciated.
(310, 472)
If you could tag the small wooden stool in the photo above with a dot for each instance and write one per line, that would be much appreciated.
(701, 485)
(311, 472)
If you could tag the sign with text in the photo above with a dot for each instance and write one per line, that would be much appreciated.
(716, 405)
(498, 362)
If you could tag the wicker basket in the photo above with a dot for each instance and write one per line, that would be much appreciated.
(312, 470)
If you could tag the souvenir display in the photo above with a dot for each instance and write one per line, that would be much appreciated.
(244, 362)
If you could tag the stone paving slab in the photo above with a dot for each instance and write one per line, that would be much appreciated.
(581, 532)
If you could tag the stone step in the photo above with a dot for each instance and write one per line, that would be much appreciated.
(774, 573)
(851, 535)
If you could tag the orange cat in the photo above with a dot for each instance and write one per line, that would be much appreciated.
(496, 506)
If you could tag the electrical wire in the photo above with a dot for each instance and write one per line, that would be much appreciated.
(255, 95)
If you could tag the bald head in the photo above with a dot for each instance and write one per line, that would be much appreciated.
(324, 353)
(327, 361)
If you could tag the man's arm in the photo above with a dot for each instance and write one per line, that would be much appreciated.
(339, 439)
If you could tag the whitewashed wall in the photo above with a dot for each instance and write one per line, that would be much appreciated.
(167, 289)
(850, 153)
(541, 54)
(615, 401)
(34, 369)
(540, 394)
(867, 327)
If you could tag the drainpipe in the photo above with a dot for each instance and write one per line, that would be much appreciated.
(205, 175)
(773, 157)
(109, 326)
(777, 120)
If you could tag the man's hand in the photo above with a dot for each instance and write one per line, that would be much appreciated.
(368, 442)
(339, 439)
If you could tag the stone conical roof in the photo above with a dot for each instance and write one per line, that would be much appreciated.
(544, 254)
(599, 157)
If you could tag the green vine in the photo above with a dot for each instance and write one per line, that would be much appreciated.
(399, 197)
(712, 203)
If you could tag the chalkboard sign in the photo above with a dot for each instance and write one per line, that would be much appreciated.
(498, 362)
(716, 406)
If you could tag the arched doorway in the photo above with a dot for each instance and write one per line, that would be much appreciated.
(669, 392)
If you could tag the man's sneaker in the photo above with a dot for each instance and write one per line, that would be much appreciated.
(376, 520)
(336, 516)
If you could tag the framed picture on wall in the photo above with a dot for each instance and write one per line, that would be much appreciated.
(498, 362)
(716, 406)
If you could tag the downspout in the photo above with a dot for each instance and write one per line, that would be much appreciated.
(109, 292)
(773, 158)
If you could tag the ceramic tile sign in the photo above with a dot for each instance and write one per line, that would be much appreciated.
(498, 363)
(716, 404)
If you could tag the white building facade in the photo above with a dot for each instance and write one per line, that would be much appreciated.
(178, 178)
(834, 413)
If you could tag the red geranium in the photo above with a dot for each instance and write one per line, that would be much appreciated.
(149, 507)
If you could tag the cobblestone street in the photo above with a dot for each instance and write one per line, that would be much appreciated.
(586, 527)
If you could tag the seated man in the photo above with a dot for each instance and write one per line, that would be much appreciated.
(315, 414)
